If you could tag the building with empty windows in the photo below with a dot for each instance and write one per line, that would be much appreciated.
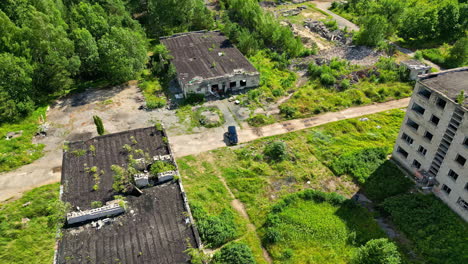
(433, 139)
(207, 63)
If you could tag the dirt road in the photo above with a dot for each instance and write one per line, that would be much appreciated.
(196, 143)
(342, 22)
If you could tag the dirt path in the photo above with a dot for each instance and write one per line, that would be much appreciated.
(342, 22)
(196, 143)
(239, 207)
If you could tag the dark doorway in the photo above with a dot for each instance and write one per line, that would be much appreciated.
(232, 84)
(243, 83)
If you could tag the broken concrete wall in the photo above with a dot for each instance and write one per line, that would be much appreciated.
(224, 83)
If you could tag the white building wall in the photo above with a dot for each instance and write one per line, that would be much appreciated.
(458, 187)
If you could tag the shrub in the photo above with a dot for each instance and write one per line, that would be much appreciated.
(215, 230)
(418, 55)
(288, 111)
(438, 234)
(314, 70)
(359, 164)
(235, 253)
(194, 98)
(155, 102)
(461, 97)
(276, 151)
(99, 125)
(327, 79)
(96, 204)
(345, 84)
(161, 166)
(377, 251)
(260, 120)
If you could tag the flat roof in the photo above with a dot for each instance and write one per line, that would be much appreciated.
(205, 54)
(449, 83)
(152, 230)
(414, 63)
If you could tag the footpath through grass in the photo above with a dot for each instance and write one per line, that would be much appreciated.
(20, 151)
(28, 226)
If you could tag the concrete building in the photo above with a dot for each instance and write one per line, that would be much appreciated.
(433, 139)
(415, 68)
(207, 63)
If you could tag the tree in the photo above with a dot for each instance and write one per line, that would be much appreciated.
(99, 125)
(86, 48)
(373, 32)
(235, 253)
(459, 53)
(15, 87)
(91, 17)
(276, 151)
(449, 21)
(377, 251)
(123, 54)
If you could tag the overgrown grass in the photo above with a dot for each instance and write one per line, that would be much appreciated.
(316, 227)
(20, 151)
(192, 116)
(275, 82)
(28, 226)
(332, 88)
(152, 91)
(438, 234)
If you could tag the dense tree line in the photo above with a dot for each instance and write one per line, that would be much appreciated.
(253, 29)
(46, 45)
(414, 20)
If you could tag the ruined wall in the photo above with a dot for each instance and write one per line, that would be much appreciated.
(224, 84)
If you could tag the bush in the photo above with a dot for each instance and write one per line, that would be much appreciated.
(215, 230)
(260, 120)
(161, 166)
(387, 181)
(276, 151)
(288, 111)
(438, 234)
(377, 251)
(327, 79)
(345, 84)
(194, 98)
(99, 125)
(235, 253)
(359, 164)
(155, 102)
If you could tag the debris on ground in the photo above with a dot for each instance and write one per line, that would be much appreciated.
(13, 134)
(333, 35)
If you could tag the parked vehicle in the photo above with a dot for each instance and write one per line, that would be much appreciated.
(232, 135)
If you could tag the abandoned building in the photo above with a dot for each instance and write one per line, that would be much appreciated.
(207, 63)
(415, 68)
(433, 139)
(151, 223)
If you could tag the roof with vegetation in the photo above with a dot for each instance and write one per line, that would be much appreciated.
(153, 226)
(205, 54)
(449, 83)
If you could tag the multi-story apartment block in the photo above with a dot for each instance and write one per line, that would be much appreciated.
(433, 139)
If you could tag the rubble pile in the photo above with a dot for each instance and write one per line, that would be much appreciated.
(335, 35)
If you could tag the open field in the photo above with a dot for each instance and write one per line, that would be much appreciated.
(28, 226)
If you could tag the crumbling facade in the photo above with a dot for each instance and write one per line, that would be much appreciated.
(415, 68)
(433, 139)
(207, 63)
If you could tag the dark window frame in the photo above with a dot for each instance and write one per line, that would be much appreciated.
(439, 104)
(460, 160)
(435, 120)
(428, 136)
(423, 92)
(410, 125)
(453, 175)
(446, 189)
(409, 140)
(422, 150)
(416, 164)
(418, 109)
(402, 152)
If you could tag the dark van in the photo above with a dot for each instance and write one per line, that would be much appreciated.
(232, 135)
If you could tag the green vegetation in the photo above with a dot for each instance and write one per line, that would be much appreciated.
(252, 29)
(234, 253)
(96, 204)
(438, 234)
(161, 166)
(333, 87)
(48, 45)
(386, 181)
(259, 120)
(123, 179)
(99, 125)
(378, 251)
(316, 227)
(204, 121)
(20, 150)
(417, 22)
(275, 81)
(449, 56)
(152, 91)
(28, 226)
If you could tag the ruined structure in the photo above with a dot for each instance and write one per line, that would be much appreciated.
(208, 63)
(151, 225)
(433, 139)
(415, 68)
